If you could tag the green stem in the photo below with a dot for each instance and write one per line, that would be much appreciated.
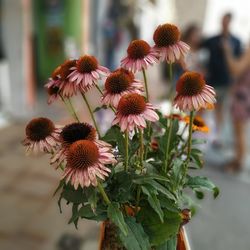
(190, 129)
(145, 83)
(141, 147)
(91, 114)
(167, 153)
(70, 108)
(100, 91)
(126, 151)
(73, 110)
(103, 193)
(138, 197)
(168, 145)
(189, 144)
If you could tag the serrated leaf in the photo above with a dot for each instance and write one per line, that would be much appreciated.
(116, 216)
(136, 238)
(74, 196)
(153, 201)
(171, 244)
(145, 178)
(114, 136)
(157, 231)
(87, 213)
(177, 171)
(200, 182)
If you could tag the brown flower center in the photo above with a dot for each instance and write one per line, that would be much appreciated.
(86, 64)
(131, 104)
(53, 90)
(39, 128)
(56, 73)
(129, 74)
(117, 82)
(198, 121)
(190, 84)
(138, 49)
(166, 34)
(65, 68)
(82, 154)
(76, 132)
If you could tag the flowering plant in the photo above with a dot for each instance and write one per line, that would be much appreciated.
(135, 175)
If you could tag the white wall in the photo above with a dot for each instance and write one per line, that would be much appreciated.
(13, 45)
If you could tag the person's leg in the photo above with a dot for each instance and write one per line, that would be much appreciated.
(219, 116)
(240, 144)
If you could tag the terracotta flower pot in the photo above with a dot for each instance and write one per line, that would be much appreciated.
(108, 238)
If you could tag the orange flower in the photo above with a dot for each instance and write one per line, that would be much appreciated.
(198, 124)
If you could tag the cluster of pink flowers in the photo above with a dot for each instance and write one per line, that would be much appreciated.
(77, 144)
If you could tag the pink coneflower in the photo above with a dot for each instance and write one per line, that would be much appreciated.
(53, 93)
(67, 88)
(168, 44)
(85, 162)
(41, 136)
(118, 84)
(140, 56)
(71, 133)
(87, 72)
(193, 93)
(133, 111)
(54, 80)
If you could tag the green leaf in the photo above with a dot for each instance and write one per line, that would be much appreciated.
(136, 238)
(162, 189)
(61, 183)
(87, 213)
(199, 195)
(115, 137)
(171, 244)
(116, 216)
(157, 231)
(121, 188)
(99, 108)
(74, 218)
(145, 178)
(170, 205)
(74, 196)
(153, 201)
(177, 172)
(198, 141)
(199, 182)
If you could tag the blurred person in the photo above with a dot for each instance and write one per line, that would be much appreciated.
(119, 18)
(240, 106)
(218, 73)
(196, 56)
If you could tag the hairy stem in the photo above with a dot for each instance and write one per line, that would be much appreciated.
(103, 193)
(126, 151)
(145, 83)
(91, 114)
(70, 108)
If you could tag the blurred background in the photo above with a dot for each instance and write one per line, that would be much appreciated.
(38, 35)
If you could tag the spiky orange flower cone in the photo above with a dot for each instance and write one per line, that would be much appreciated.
(85, 162)
(139, 56)
(168, 44)
(193, 93)
(41, 136)
(133, 111)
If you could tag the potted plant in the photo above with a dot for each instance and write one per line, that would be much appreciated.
(132, 178)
